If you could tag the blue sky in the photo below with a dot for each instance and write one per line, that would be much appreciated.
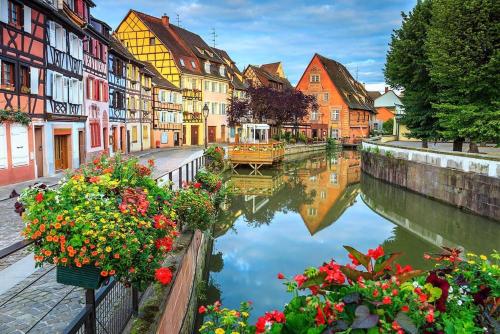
(354, 32)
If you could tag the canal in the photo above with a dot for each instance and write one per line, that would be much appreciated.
(301, 213)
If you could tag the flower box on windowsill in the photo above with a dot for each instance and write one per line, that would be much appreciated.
(25, 90)
(7, 87)
(88, 277)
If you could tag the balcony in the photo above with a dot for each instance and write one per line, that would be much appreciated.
(192, 117)
(191, 94)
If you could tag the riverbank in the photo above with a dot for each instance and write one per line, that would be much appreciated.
(467, 181)
(303, 148)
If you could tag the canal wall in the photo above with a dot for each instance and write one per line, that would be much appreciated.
(467, 181)
(296, 149)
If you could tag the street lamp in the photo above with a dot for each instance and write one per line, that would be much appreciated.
(205, 114)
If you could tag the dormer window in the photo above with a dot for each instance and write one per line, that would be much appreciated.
(199, 50)
(182, 62)
(193, 64)
(207, 67)
(222, 70)
(209, 53)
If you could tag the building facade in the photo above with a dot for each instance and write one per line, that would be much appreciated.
(64, 131)
(267, 75)
(135, 133)
(146, 107)
(345, 109)
(96, 90)
(22, 90)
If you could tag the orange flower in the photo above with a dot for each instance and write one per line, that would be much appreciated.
(35, 221)
(57, 226)
(55, 238)
(49, 238)
(47, 252)
(78, 264)
(71, 249)
(111, 272)
(55, 259)
(104, 273)
(86, 260)
(94, 253)
(63, 223)
(42, 228)
(64, 260)
(131, 270)
(116, 256)
(59, 218)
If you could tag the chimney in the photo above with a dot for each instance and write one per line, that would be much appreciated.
(386, 88)
(165, 20)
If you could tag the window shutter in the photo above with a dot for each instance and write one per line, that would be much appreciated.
(3, 147)
(52, 33)
(4, 11)
(27, 19)
(87, 87)
(55, 89)
(34, 74)
(64, 40)
(96, 90)
(80, 92)
(80, 49)
(65, 89)
(19, 145)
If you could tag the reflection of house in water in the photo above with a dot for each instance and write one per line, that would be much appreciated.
(333, 182)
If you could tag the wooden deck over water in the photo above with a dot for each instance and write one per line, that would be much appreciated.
(256, 155)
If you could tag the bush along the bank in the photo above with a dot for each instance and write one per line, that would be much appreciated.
(108, 215)
(215, 158)
(331, 144)
(459, 296)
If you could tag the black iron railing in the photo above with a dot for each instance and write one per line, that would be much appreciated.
(109, 309)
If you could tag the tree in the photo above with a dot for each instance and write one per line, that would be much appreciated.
(388, 126)
(464, 51)
(407, 68)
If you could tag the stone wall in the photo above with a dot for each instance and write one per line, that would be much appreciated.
(471, 191)
(295, 149)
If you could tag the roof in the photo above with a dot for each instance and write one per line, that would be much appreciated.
(353, 92)
(158, 79)
(271, 68)
(374, 94)
(265, 76)
(116, 46)
(61, 17)
(232, 69)
(172, 42)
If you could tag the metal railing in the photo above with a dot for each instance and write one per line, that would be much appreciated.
(109, 309)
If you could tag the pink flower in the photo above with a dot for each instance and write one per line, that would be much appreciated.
(300, 279)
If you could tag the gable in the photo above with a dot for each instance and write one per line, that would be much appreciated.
(389, 99)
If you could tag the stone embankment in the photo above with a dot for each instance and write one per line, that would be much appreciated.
(304, 148)
(467, 181)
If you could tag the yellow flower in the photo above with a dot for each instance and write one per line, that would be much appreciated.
(471, 255)
(235, 332)
(242, 324)
(471, 262)
(220, 331)
(108, 249)
(245, 314)
(483, 257)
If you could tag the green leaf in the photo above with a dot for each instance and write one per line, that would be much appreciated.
(353, 274)
(380, 266)
(406, 323)
(409, 275)
(318, 279)
(362, 258)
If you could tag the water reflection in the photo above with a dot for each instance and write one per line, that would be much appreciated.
(300, 214)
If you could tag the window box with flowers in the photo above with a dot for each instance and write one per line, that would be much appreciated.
(107, 219)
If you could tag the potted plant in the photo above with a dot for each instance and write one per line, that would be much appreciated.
(107, 219)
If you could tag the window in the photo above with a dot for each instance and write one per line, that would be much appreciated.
(193, 64)
(335, 113)
(152, 41)
(25, 77)
(214, 108)
(16, 14)
(145, 132)
(315, 78)
(8, 75)
(74, 91)
(57, 87)
(333, 178)
(3, 147)
(312, 211)
(326, 97)
(182, 62)
(222, 70)
(60, 38)
(207, 67)
(334, 133)
(314, 116)
(134, 134)
(95, 134)
(207, 85)
(163, 117)
(214, 86)
(19, 145)
(322, 194)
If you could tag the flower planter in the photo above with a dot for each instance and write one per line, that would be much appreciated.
(88, 277)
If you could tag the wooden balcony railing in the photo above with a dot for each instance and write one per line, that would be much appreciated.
(265, 154)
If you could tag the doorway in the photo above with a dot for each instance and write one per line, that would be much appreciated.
(212, 134)
(39, 151)
(176, 138)
(223, 133)
(61, 152)
(81, 146)
(114, 142)
(194, 134)
(105, 138)
(123, 139)
(184, 135)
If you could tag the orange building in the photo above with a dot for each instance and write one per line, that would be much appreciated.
(345, 108)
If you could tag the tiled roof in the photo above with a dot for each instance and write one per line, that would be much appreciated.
(265, 76)
(158, 79)
(233, 70)
(116, 46)
(353, 92)
(173, 42)
(374, 94)
(271, 68)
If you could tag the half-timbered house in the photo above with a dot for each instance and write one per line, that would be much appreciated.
(95, 77)
(22, 89)
(167, 111)
(117, 80)
(65, 129)
(146, 106)
(135, 133)
(267, 75)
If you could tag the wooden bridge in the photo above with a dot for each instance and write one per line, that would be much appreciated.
(255, 155)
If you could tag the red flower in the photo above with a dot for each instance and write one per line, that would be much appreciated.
(422, 297)
(339, 307)
(430, 316)
(395, 325)
(395, 292)
(405, 308)
(333, 273)
(386, 300)
(402, 270)
(165, 244)
(202, 309)
(300, 279)
(281, 276)
(375, 293)
(39, 197)
(94, 179)
(151, 162)
(197, 185)
(320, 317)
(260, 325)
(163, 275)
(376, 253)
(353, 259)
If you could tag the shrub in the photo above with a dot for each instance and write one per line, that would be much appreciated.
(194, 207)
(209, 181)
(386, 297)
(110, 214)
(331, 144)
(293, 141)
(388, 127)
(215, 158)
(302, 137)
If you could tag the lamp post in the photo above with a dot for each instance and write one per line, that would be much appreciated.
(205, 114)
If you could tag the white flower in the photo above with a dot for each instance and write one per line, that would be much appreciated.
(415, 284)
(459, 302)
(450, 290)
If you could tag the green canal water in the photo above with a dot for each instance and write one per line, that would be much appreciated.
(301, 213)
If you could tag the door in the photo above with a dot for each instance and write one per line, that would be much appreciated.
(81, 146)
(184, 135)
(128, 140)
(211, 134)
(39, 151)
(194, 134)
(223, 133)
(61, 152)
(114, 130)
(176, 138)
(124, 138)
(105, 137)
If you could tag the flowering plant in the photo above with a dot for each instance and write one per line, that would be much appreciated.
(209, 181)
(461, 297)
(194, 207)
(108, 214)
(223, 320)
(215, 156)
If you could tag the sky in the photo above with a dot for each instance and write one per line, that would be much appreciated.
(353, 32)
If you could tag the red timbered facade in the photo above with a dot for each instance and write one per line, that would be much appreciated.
(22, 88)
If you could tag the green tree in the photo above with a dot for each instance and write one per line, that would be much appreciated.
(388, 126)
(407, 68)
(463, 48)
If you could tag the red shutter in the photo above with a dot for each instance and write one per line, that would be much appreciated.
(88, 88)
(96, 90)
(105, 92)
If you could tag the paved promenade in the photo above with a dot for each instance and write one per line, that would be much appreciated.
(30, 299)
(489, 149)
